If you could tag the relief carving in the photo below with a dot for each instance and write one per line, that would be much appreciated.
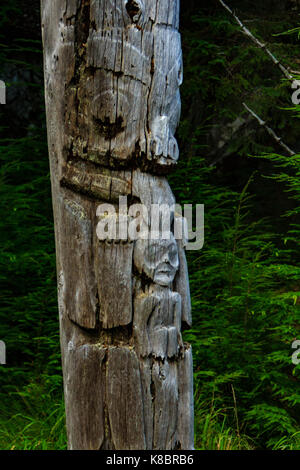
(112, 75)
(157, 309)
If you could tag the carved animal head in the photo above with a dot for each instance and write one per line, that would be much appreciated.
(125, 103)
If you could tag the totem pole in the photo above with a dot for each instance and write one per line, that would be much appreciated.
(112, 74)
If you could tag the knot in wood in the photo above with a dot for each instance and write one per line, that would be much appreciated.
(134, 9)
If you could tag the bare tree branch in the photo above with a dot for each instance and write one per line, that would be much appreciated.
(259, 44)
(283, 69)
(269, 130)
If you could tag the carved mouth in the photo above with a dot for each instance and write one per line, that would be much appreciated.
(164, 270)
(164, 275)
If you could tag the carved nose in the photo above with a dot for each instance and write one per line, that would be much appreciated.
(173, 149)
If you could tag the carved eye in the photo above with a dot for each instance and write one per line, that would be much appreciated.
(134, 9)
(173, 257)
(152, 252)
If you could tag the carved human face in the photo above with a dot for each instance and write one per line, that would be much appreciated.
(158, 259)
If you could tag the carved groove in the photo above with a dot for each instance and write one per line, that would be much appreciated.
(112, 75)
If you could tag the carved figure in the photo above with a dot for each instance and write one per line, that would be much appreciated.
(113, 69)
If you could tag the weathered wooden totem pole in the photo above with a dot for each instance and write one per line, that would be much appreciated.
(112, 74)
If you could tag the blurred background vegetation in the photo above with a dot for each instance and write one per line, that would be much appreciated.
(245, 282)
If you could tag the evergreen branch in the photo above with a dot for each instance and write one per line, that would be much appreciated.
(259, 44)
(270, 131)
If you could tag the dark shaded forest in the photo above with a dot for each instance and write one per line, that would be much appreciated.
(241, 161)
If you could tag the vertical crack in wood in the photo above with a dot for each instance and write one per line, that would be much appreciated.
(112, 77)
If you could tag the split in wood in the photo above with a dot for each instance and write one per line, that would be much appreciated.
(112, 75)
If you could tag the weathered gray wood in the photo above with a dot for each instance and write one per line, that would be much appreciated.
(185, 426)
(114, 274)
(84, 396)
(147, 394)
(124, 399)
(125, 103)
(80, 289)
(151, 189)
(112, 74)
(101, 184)
(181, 285)
(165, 379)
(157, 310)
(157, 322)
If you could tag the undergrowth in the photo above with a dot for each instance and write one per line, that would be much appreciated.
(244, 282)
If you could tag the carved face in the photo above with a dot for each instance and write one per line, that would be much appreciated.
(158, 259)
(127, 103)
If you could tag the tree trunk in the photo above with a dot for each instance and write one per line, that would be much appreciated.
(112, 74)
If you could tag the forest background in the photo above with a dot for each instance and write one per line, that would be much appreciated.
(245, 282)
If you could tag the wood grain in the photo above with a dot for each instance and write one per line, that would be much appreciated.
(112, 70)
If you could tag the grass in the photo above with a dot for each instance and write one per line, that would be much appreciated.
(37, 421)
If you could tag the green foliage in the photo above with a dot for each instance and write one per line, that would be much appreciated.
(31, 410)
(31, 381)
(37, 421)
(245, 308)
(244, 282)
